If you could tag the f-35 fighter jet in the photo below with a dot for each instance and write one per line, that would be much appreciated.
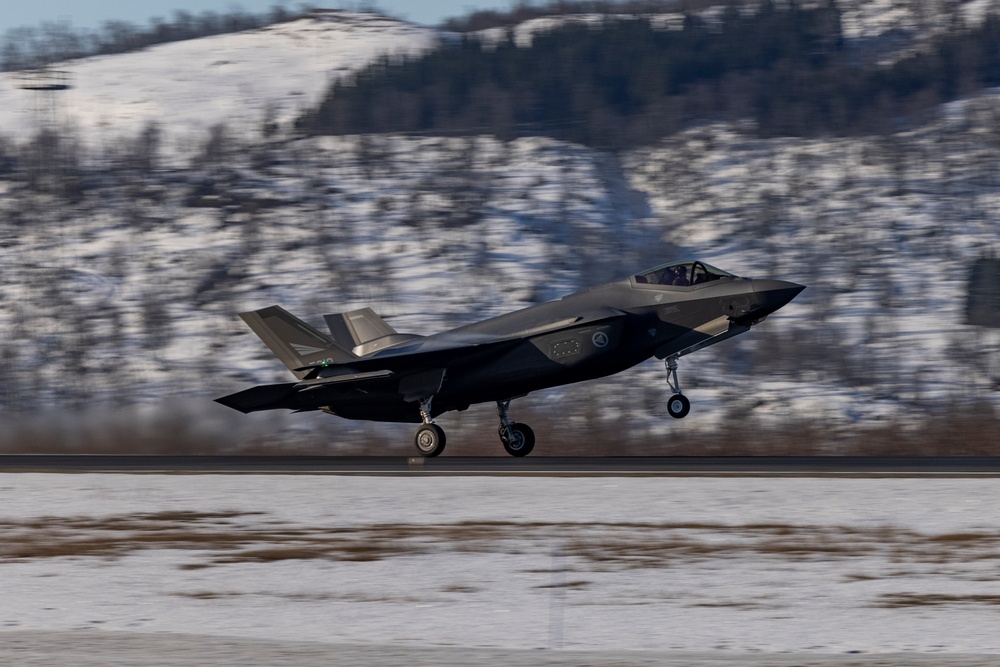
(364, 369)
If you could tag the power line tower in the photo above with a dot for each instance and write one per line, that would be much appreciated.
(44, 86)
(45, 167)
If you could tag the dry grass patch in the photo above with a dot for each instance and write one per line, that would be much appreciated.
(733, 604)
(297, 597)
(948, 430)
(460, 588)
(117, 536)
(663, 545)
(965, 538)
(207, 595)
(234, 537)
(901, 600)
(577, 583)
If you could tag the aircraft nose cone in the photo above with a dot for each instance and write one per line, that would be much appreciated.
(773, 294)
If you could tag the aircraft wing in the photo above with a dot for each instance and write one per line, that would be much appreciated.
(414, 369)
(441, 350)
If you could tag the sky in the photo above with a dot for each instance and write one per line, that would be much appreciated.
(92, 13)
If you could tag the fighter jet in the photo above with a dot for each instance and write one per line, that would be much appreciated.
(364, 369)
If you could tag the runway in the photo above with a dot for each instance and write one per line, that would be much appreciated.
(708, 466)
(83, 648)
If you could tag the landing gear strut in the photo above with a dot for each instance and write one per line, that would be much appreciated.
(518, 439)
(678, 406)
(430, 438)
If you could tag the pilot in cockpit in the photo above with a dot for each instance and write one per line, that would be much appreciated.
(680, 277)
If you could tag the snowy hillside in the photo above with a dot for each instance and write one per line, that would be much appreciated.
(889, 27)
(880, 29)
(122, 277)
(141, 296)
(274, 73)
(187, 87)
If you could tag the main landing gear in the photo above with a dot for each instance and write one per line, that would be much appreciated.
(518, 439)
(678, 406)
(430, 438)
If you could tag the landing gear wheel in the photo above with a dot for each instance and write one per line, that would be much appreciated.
(429, 440)
(519, 441)
(678, 406)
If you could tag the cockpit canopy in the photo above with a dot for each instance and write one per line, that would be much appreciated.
(682, 274)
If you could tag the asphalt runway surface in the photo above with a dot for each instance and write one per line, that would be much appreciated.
(90, 648)
(958, 466)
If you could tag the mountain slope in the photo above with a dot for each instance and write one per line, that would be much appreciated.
(187, 87)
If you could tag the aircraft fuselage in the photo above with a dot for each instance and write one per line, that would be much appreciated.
(381, 375)
(643, 323)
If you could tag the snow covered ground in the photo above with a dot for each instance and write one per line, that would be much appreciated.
(711, 566)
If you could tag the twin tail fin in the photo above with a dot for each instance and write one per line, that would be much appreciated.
(294, 342)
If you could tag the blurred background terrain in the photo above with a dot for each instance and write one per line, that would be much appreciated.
(154, 181)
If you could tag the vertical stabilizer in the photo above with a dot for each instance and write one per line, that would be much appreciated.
(357, 327)
(293, 341)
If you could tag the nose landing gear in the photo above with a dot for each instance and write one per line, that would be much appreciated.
(678, 406)
(517, 439)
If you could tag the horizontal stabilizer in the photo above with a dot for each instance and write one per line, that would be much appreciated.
(297, 344)
(263, 397)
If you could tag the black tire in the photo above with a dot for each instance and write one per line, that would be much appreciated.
(520, 441)
(429, 440)
(678, 406)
